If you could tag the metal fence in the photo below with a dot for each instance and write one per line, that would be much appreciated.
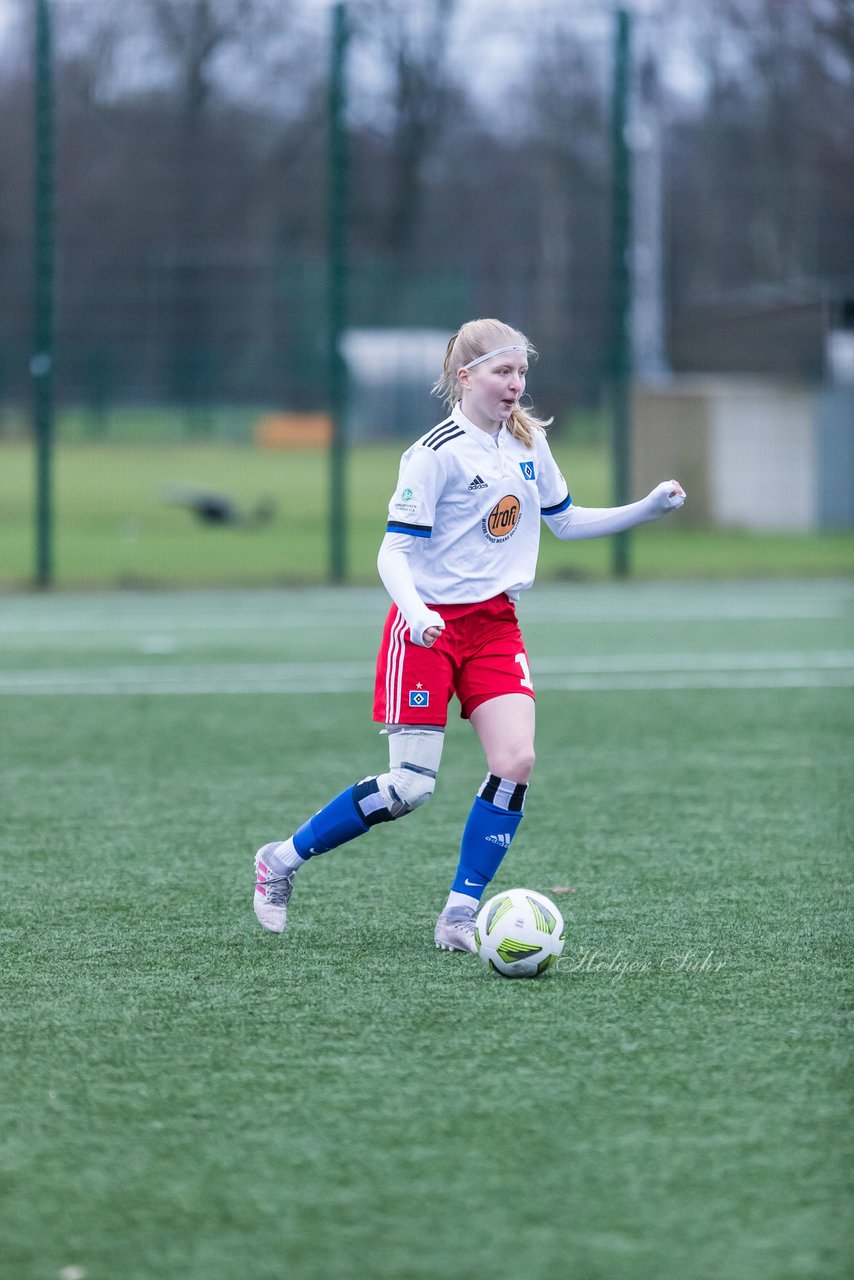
(225, 190)
(191, 181)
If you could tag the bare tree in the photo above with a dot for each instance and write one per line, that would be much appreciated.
(568, 126)
(191, 178)
(413, 44)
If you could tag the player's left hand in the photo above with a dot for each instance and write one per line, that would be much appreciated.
(668, 496)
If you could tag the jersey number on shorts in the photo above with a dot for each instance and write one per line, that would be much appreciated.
(522, 659)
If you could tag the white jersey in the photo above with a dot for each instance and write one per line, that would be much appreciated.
(472, 503)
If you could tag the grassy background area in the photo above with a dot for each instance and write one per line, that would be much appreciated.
(114, 527)
(185, 1096)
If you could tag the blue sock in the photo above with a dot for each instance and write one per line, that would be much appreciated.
(492, 824)
(336, 823)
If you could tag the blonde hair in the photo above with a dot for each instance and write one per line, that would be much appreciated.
(474, 339)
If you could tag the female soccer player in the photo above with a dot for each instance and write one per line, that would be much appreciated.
(461, 545)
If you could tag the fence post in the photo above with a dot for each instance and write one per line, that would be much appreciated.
(620, 337)
(337, 293)
(41, 362)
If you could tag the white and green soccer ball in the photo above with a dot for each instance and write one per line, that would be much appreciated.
(519, 933)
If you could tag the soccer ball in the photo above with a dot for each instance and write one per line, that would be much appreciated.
(519, 933)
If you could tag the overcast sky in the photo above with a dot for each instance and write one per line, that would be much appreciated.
(492, 29)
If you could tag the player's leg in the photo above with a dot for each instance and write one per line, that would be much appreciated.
(414, 756)
(411, 693)
(505, 727)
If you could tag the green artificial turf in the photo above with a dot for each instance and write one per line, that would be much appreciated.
(185, 1096)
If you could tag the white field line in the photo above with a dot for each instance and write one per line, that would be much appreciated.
(830, 668)
(602, 663)
(299, 619)
(183, 613)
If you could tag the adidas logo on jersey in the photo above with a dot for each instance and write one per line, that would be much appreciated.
(503, 840)
(478, 483)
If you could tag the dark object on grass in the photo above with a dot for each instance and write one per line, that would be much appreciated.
(217, 508)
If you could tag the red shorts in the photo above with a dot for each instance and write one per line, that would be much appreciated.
(480, 655)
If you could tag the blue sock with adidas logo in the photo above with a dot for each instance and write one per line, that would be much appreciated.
(492, 824)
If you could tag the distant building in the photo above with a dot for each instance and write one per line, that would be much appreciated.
(391, 372)
(804, 332)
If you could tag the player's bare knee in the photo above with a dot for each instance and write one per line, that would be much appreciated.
(514, 762)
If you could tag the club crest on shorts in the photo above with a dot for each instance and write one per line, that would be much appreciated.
(419, 697)
(528, 470)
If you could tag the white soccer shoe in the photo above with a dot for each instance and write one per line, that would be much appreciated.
(271, 894)
(455, 929)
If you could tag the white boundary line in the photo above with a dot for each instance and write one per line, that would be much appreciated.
(278, 618)
(246, 610)
(601, 673)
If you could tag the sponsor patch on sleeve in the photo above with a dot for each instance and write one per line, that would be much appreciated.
(405, 501)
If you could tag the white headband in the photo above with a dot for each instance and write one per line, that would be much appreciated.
(499, 351)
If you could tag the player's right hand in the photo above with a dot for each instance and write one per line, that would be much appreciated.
(427, 629)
